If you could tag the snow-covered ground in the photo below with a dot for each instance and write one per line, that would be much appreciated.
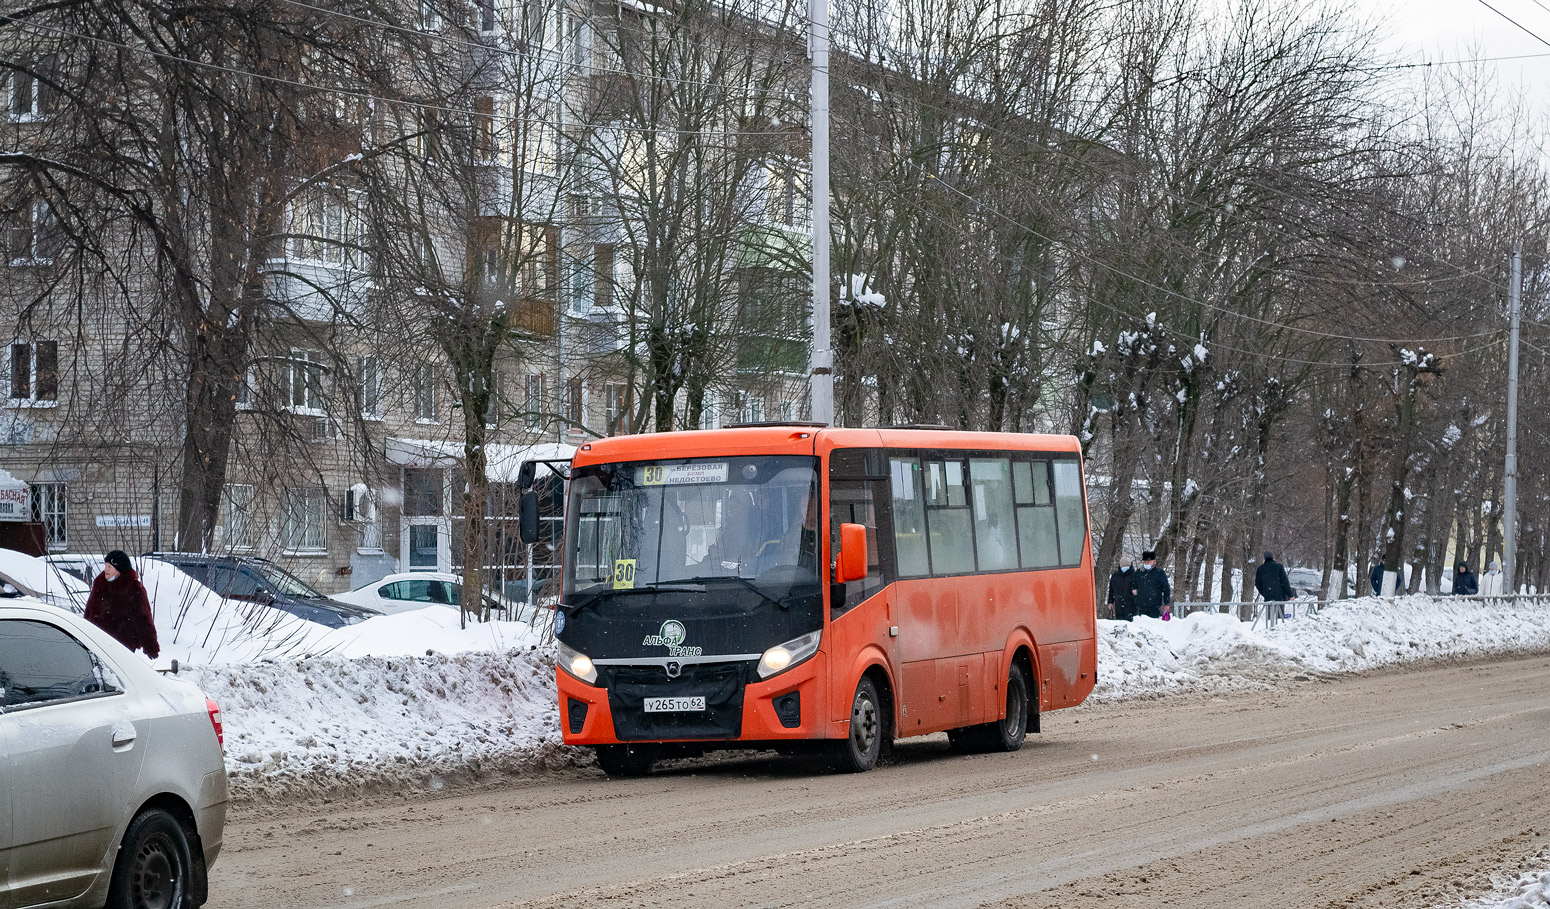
(412, 701)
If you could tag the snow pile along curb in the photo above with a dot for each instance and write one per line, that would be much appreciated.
(309, 726)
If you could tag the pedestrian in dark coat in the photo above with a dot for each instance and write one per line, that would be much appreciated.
(1271, 581)
(1122, 591)
(1376, 577)
(1153, 595)
(118, 605)
(1465, 583)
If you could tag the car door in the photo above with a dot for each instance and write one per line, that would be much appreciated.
(5, 813)
(73, 758)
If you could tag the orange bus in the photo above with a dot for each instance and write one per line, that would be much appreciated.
(701, 608)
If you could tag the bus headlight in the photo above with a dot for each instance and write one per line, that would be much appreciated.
(783, 656)
(576, 663)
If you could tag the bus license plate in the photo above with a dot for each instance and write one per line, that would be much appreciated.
(675, 705)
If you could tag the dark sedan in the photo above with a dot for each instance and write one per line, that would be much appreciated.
(261, 581)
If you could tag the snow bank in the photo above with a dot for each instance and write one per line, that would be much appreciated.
(328, 724)
(1216, 652)
(1530, 890)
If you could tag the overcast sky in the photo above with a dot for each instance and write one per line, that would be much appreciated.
(1455, 29)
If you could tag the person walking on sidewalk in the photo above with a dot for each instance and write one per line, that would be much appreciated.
(1122, 591)
(118, 605)
(1153, 595)
(1271, 581)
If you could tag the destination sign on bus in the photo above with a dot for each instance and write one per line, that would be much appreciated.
(681, 474)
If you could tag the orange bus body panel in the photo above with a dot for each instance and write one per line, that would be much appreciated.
(943, 647)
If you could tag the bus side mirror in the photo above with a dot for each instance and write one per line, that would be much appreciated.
(527, 517)
(851, 563)
(527, 474)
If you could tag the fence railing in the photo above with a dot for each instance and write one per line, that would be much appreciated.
(1260, 612)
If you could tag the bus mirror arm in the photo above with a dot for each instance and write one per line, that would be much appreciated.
(850, 562)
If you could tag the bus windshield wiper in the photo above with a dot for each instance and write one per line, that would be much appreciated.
(573, 608)
(778, 601)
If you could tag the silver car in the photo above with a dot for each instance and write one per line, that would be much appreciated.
(112, 780)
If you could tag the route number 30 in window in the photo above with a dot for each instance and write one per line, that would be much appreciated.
(624, 574)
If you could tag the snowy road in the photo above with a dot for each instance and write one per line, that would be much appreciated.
(1403, 788)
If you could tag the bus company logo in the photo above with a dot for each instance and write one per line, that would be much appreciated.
(672, 636)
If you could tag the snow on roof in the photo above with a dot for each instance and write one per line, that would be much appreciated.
(504, 461)
(7, 481)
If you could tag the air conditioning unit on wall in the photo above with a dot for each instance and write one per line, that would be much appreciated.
(360, 506)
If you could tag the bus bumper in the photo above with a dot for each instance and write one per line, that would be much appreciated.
(783, 708)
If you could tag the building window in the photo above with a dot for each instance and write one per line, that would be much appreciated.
(34, 370)
(485, 145)
(492, 407)
(603, 276)
(371, 387)
(31, 233)
(301, 527)
(750, 408)
(49, 509)
(616, 407)
(33, 95)
(533, 400)
(425, 393)
(326, 227)
(430, 18)
(239, 500)
(575, 405)
(485, 9)
(710, 411)
(306, 382)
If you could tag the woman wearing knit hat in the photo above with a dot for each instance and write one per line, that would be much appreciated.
(119, 606)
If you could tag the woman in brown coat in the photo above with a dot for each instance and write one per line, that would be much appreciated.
(119, 606)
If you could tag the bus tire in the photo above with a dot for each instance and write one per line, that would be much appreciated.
(858, 751)
(1005, 734)
(626, 760)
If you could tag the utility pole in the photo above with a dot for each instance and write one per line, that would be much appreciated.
(1510, 513)
(821, 371)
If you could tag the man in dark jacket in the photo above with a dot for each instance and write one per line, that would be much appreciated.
(1271, 581)
(1465, 583)
(1376, 577)
(1122, 591)
(1153, 595)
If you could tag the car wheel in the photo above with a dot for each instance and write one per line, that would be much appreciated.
(626, 760)
(154, 869)
(858, 752)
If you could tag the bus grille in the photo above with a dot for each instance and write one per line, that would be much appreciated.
(720, 683)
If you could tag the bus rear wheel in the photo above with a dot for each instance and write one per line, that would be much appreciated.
(858, 752)
(1006, 734)
(626, 760)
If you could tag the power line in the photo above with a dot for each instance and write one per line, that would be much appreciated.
(1520, 25)
(1216, 345)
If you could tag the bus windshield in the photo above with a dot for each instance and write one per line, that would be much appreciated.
(644, 524)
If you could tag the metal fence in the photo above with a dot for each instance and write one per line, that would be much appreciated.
(1260, 612)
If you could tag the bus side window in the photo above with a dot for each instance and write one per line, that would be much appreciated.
(995, 537)
(950, 526)
(855, 502)
(909, 519)
(1070, 513)
(1035, 514)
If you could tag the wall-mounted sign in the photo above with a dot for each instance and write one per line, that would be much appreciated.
(15, 503)
(123, 520)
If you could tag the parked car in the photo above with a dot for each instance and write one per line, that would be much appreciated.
(1306, 582)
(80, 565)
(30, 576)
(262, 581)
(115, 784)
(417, 590)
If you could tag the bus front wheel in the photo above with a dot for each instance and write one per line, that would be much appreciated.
(625, 760)
(858, 752)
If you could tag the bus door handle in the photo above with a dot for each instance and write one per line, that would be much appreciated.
(893, 631)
